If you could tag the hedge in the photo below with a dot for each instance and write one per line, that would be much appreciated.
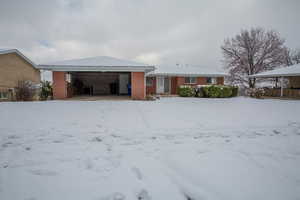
(208, 91)
(186, 91)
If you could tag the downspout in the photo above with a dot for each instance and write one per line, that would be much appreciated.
(281, 85)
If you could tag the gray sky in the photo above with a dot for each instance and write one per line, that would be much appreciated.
(150, 31)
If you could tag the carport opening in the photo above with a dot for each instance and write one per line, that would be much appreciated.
(99, 83)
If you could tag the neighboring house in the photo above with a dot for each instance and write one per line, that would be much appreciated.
(100, 75)
(166, 79)
(15, 67)
(291, 74)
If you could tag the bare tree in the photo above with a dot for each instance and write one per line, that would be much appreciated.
(250, 52)
(291, 57)
(296, 56)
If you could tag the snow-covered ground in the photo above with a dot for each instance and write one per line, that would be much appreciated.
(173, 148)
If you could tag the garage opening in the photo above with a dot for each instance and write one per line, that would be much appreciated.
(99, 83)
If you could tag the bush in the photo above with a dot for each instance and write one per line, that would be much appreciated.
(186, 91)
(255, 92)
(25, 91)
(46, 90)
(217, 91)
(225, 91)
(235, 91)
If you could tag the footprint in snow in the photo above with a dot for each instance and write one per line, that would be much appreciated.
(115, 196)
(7, 144)
(43, 172)
(137, 173)
(143, 195)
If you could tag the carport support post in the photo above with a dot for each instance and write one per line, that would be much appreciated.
(281, 85)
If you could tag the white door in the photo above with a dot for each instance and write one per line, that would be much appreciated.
(160, 85)
(123, 81)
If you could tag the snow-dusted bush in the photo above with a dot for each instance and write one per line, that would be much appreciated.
(186, 91)
(255, 92)
(26, 91)
(208, 91)
(217, 91)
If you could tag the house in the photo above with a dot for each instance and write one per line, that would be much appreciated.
(166, 79)
(99, 75)
(15, 67)
(290, 74)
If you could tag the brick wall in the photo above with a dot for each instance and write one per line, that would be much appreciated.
(138, 85)
(14, 68)
(59, 85)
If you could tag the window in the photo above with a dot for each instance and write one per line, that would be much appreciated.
(190, 80)
(149, 81)
(68, 77)
(3, 95)
(211, 80)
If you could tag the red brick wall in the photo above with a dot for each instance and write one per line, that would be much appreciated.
(59, 85)
(220, 80)
(138, 85)
(174, 85)
(151, 89)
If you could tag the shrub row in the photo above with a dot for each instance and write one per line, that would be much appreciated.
(208, 91)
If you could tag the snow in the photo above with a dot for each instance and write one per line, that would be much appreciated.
(172, 148)
(186, 70)
(96, 61)
(293, 70)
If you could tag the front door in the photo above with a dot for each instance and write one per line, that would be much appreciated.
(160, 85)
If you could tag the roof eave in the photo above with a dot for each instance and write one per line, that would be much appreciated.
(273, 75)
(69, 68)
(188, 74)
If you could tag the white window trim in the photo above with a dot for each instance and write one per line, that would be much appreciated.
(190, 82)
(213, 80)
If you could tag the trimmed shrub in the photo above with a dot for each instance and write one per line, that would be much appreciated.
(212, 91)
(225, 91)
(186, 91)
(235, 91)
(217, 91)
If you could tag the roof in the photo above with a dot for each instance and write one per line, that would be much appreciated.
(98, 63)
(7, 51)
(190, 70)
(293, 70)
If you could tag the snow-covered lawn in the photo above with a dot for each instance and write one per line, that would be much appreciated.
(173, 148)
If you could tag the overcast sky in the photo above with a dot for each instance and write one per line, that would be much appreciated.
(150, 31)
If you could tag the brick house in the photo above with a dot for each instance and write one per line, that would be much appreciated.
(99, 75)
(15, 67)
(166, 79)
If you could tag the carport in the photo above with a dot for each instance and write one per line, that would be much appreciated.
(98, 76)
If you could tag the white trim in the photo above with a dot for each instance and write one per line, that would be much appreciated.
(70, 68)
(195, 78)
(188, 75)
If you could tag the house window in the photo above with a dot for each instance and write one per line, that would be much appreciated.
(68, 77)
(3, 95)
(190, 80)
(211, 80)
(149, 81)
